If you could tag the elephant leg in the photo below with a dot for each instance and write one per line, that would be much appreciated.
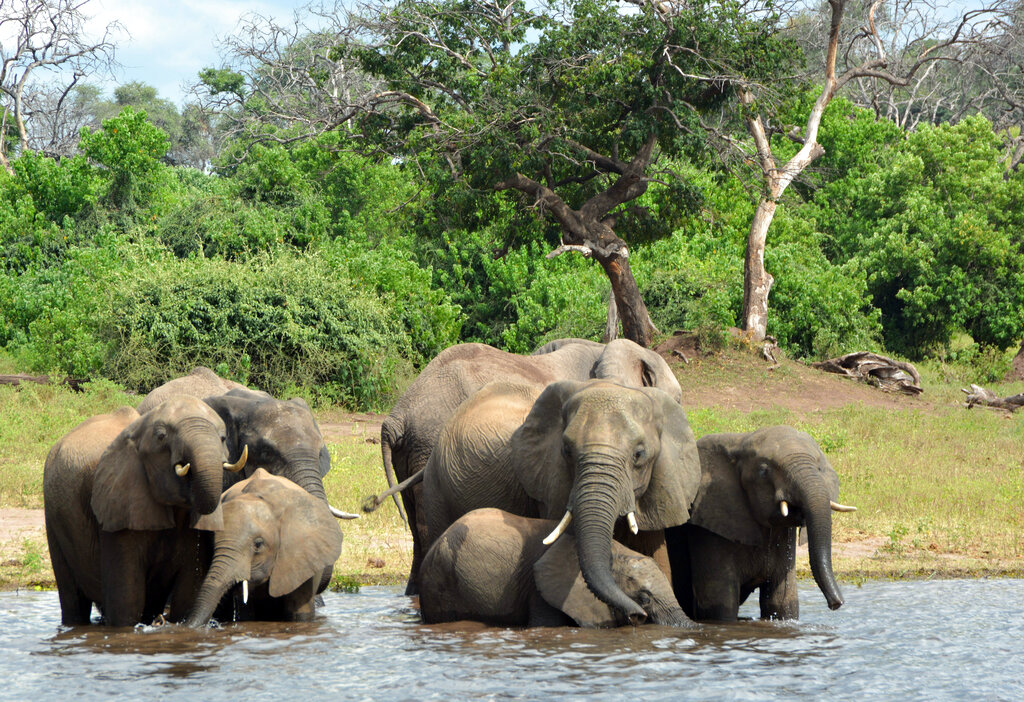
(715, 578)
(417, 523)
(778, 598)
(300, 605)
(75, 607)
(124, 582)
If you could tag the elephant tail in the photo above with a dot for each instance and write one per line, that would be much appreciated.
(372, 502)
(391, 436)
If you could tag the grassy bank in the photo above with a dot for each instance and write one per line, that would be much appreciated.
(939, 489)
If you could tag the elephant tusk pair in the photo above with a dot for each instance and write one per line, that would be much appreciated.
(559, 530)
(240, 464)
(836, 507)
(342, 515)
(182, 470)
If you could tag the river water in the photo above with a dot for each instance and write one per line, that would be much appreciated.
(930, 640)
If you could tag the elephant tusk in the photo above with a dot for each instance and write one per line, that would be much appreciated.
(182, 470)
(245, 592)
(784, 508)
(240, 464)
(836, 507)
(559, 530)
(631, 518)
(342, 515)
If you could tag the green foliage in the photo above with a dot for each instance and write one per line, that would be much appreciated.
(130, 148)
(59, 189)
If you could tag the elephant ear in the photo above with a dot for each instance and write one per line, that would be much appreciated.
(675, 475)
(560, 582)
(121, 495)
(537, 450)
(324, 461)
(310, 540)
(630, 364)
(721, 505)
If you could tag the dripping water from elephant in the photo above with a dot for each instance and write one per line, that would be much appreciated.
(935, 640)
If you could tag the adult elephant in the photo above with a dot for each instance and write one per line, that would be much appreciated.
(590, 451)
(409, 433)
(756, 490)
(120, 492)
(492, 566)
(201, 382)
(275, 539)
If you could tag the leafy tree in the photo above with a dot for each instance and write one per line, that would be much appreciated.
(131, 149)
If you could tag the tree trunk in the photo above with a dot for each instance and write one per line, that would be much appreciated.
(636, 322)
(611, 327)
(757, 282)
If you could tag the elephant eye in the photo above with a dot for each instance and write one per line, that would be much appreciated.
(639, 454)
(257, 544)
(764, 470)
(160, 433)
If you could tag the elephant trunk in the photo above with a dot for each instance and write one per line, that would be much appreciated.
(227, 569)
(304, 471)
(596, 506)
(818, 521)
(668, 614)
(206, 454)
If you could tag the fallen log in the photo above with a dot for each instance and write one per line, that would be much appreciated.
(19, 378)
(882, 372)
(978, 395)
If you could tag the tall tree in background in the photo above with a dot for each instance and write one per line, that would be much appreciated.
(45, 36)
(857, 53)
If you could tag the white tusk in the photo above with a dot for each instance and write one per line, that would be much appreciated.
(245, 592)
(631, 518)
(784, 508)
(182, 470)
(240, 463)
(559, 530)
(841, 508)
(342, 515)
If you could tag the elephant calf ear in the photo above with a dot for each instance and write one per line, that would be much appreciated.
(121, 495)
(560, 582)
(310, 541)
(675, 475)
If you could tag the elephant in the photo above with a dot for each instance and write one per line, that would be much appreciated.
(756, 490)
(590, 451)
(274, 536)
(492, 566)
(409, 433)
(120, 492)
(201, 382)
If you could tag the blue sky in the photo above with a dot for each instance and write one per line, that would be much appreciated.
(167, 42)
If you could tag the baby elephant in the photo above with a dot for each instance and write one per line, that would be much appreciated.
(277, 538)
(492, 566)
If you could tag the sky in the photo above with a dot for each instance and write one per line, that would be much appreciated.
(167, 42)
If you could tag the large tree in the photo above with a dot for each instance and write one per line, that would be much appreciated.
(45, 36)
(877, 50)
(573, 107)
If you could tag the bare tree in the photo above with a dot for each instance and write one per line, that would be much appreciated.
(45, 36)
(868, 53)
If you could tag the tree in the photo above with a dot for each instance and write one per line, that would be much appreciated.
(858, 55)
(46, 35)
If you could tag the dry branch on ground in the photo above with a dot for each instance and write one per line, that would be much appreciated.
(880, 371)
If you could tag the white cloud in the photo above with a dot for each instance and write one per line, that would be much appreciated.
(167, 43)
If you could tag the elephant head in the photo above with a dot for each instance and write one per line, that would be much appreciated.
(559, 581)
(775, 477)
(174, 456)
(282, 436)
(628, 363)
(273, 532)
(597, 451)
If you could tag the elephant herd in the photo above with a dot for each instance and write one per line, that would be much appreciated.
(565, 487)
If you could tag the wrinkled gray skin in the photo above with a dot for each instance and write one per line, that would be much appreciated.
(491, 566)
(738, 541)
(118, 516)
(282, 437)
(276, 536)
(409, 433)
(201, 382)
(596, 448)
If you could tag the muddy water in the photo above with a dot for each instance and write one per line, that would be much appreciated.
(942, 640)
